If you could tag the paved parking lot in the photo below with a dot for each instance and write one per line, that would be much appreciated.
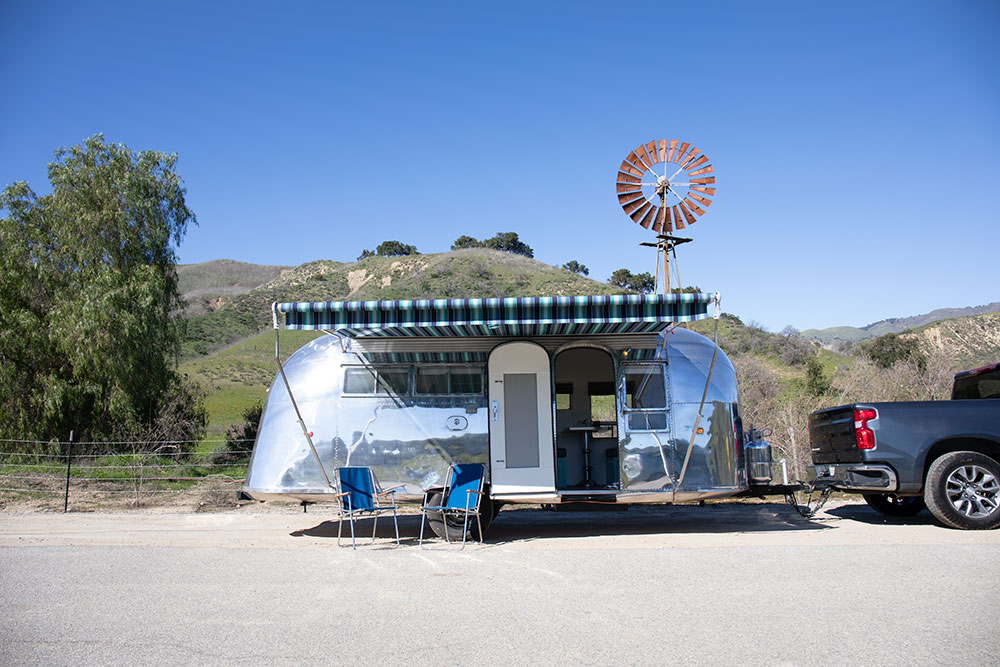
(721, 584)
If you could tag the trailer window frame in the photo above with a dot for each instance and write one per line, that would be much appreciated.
(633, 416)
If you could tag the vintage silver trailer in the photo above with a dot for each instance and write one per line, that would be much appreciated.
(603, 399)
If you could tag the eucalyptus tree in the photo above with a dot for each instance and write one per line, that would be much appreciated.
(89, 300)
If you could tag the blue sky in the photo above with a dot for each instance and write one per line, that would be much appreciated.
(856, 144)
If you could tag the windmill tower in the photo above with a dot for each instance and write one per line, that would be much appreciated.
(662, 186)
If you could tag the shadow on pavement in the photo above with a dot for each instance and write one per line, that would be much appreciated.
(865, 514)
(514, 524)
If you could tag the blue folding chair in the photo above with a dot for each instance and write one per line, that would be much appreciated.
(462, 496)
(361, 495)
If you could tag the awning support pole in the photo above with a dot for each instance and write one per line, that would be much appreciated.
(704, 394)
(281, 369)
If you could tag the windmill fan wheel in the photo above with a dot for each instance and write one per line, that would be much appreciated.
(678, 195)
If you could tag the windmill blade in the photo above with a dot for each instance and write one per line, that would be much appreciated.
(680, 152)
(697, 163)
(704, 200)
(632, 205)
(647, 220)
(651, 152)
(638, 215)
(678, 221)
(692, 154)
(662, 149)
(634, 158)
(694, 207)
(670, 154)
(703, 170)
(704, 181)
(658, 220)
(707, 191)
(627, 187)
(687, 214)
(630, 198)
(629, 168)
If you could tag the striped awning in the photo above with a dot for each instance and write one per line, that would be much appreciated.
(525, 316)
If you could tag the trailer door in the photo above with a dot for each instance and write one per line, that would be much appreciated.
(522, 454)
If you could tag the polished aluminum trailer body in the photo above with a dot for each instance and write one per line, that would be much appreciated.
(648, 417)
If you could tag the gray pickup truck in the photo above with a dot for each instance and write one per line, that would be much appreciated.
(903, 457)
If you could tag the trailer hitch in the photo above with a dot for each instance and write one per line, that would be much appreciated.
(808, 509)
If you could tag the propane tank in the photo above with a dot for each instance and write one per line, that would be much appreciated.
(758, 453)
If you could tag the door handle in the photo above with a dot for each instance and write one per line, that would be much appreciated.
(494, 409)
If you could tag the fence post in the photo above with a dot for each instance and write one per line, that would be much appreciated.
(69, 458)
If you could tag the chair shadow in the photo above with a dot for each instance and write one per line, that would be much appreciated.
(862, 513)
(514, 524)
(409, 529)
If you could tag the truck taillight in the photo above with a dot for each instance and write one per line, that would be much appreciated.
(864, 436)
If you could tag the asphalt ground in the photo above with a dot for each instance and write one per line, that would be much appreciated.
(723, 584)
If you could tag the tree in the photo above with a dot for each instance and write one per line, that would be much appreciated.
(638, 282)
(576, 267)
(89, 303)
(464, 241)
(240, 437)
(890, 349)
(395, 249)
(365, 254)
(817, 383)
(508, 242)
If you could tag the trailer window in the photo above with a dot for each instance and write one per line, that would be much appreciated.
(449, 380)
(359, 381)
(644, 388)
(382, 381)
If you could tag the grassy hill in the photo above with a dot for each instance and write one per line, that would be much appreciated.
(202, 285)
(833, 335)
(476, 272)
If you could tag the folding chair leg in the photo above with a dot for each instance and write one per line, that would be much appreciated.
(374, 526)
(423, 515)
(465, 529)
(396, 524)
(354, 545)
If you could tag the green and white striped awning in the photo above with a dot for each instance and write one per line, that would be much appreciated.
(525, 316)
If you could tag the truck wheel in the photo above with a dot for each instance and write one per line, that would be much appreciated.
(892, 505)
(963, 491)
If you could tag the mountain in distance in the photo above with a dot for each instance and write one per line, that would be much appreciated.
(897, 325)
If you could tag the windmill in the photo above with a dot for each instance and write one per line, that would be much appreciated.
(666, 201)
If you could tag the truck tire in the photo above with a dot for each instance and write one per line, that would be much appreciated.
(892, 505)
(962, 491)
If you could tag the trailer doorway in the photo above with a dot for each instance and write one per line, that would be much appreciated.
(586, 420)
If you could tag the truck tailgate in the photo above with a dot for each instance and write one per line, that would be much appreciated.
(831, 434)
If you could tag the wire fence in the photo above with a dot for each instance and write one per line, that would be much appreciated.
(120, 474)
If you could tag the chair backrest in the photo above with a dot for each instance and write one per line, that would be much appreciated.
(464, 478)
(359, 485)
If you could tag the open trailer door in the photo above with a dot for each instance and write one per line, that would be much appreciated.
(522, 455)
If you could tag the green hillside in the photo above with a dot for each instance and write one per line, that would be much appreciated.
(477, 272)
(833, 335)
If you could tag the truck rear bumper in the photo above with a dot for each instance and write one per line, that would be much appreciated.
(854, 476)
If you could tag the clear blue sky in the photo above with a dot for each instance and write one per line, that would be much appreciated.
(856, 144)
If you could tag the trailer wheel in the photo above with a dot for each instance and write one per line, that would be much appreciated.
(488, 510)
(892, 505)
(962, 491)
